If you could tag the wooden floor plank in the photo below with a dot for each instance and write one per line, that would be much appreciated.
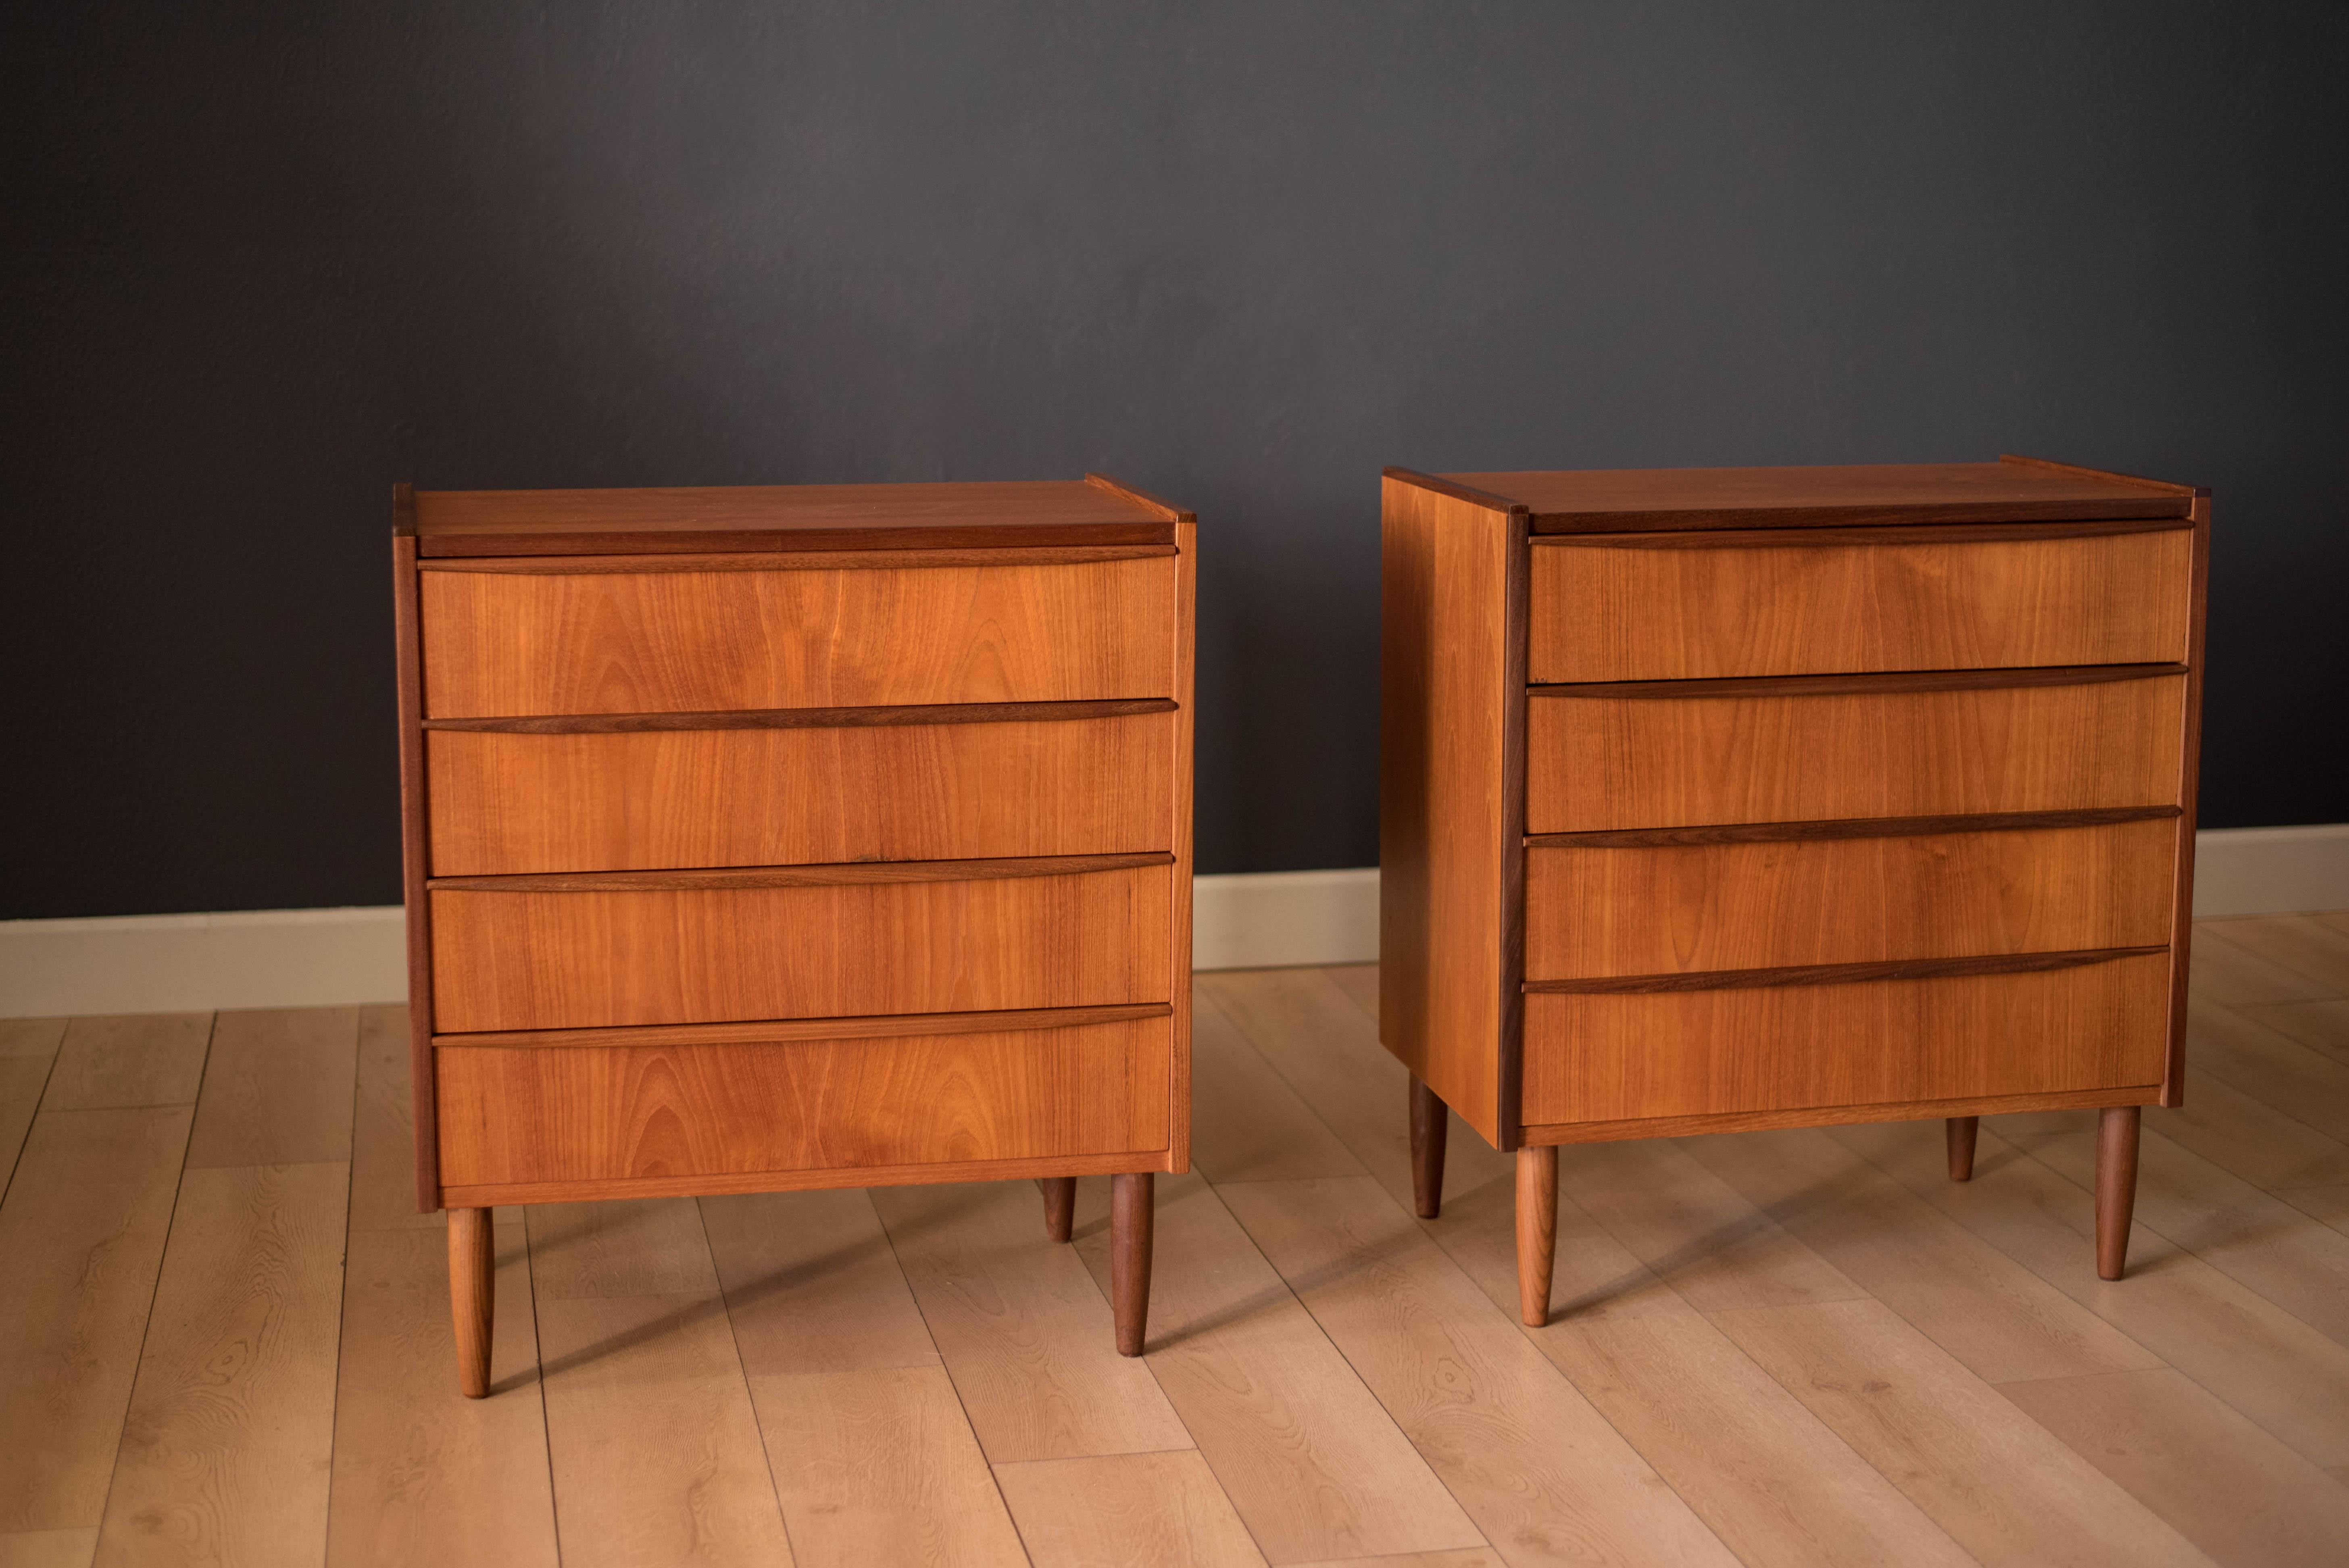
(1327, 1049)
(1153, 1509)
(1254, 1127)
(29, 1049)
(2319, 1025)
(1025, 1333)
(31, 1036)
(880, 1466)
(1538, 1469)
(383, 1138)
(140, 1058)
(2251, 1236)
(2005, 1488)
(2289, 1077)
(48, 1549)
(2244, 1134)
(1765, 1473)
(226, 1451)
(1998, 1318)
(2225, 1485)
(2285, 1375)
(1315, 1467)
(1711, 1246)
(83, 1230)
(813, 1286)
(656, 1455)
(652, 1442)
(2329, 1204)
(2307, 944)
(2229, 975)
(423, 1475)
(1470, 1557)
(277, 1089)
(1360, 980)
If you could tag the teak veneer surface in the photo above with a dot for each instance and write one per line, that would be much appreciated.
(785, 517)
(1606, 763)
(511, 1116)
(1694, 908)
(519, 645)
(1607, 500)
(584, 960)
(1452, 770)
(1607, 1057)
(642, 799)
(1619, 613)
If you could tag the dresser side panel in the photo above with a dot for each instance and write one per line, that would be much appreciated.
(2190, 777)
(1179, 812)
(414, 843)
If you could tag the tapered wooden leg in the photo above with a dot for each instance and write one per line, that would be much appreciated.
(2116, 1187)
(1962, 1131)
(472, 1296)
(1130, 1218)
(1430, 1122)
(1060, 1206)
(1537, 1230)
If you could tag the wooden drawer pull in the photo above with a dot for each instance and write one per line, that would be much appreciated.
(733, 877)
(812, 718)
(1841, 974)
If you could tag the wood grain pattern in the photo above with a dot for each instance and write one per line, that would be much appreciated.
(521, 646)
(415, 837)
(582, 960)
(1018, 513)
(277, 1089)
(1617, 763)
(1605, 1057)
(1133, 1221)
(140, 1059)
(1164, 510)
(83, 1230)
(1839, 974)
(1604, 614)
(1312, 1464)
(518, 803)
(538, 1116)
(622, 1187)
(813, 1284)
(1837, 1115)
(1816, 537)
(1451, 806)
(1611, 500)
(2190, 777)
(226, 1448)
(2117, 1149)
(1022, 1328)
(1730, 906)
(473, 1297)
(1844, 685)
(419, 1475)
(932, 713)
(853, 873)
(1537, 1230)
(1125, 1507)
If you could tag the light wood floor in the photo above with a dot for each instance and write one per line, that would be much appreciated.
(225, 1339)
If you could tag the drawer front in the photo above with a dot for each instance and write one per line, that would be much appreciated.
(1619, 1057)
(1600, 763)
(551, 960)
(1682, 909)
(1675, 612)
(659, 798)
(506, 645)
(579, 1114)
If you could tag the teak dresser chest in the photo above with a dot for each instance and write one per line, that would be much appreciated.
(814, 836)
(1745, 798)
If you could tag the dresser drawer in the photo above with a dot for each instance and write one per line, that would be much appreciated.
(506, 644)
(1840, 751)
(590, 1113)
(1679, 909)
(608, 952)
(1673, 607)
(654, 798)
(1624, 1057)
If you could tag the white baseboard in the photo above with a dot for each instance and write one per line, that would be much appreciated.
(322, 957)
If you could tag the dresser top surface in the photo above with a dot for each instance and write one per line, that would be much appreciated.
(788, 517)
(2011, 491)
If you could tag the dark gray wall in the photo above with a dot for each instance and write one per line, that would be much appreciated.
(262, 262)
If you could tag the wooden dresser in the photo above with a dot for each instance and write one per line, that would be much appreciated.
(818, 836)
(1745, 798)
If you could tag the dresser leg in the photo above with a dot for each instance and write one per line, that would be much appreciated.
(2116, 1187)
(1962, 1131)
(1130, 1216)
(1060, 1206)
(1430, 1124)
(472, 1296)
(1537, 1230)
